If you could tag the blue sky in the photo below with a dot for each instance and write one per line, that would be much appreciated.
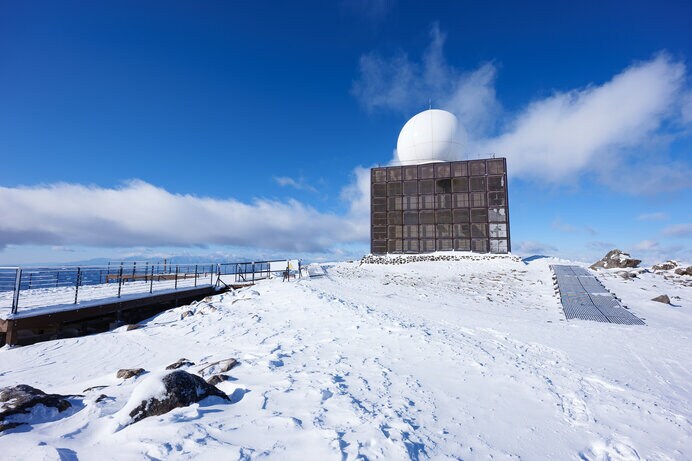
(225, 129)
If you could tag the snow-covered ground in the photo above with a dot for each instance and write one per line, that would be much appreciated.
(429, 360)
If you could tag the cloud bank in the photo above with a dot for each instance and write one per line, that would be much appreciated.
(618, 132)
(140, 214)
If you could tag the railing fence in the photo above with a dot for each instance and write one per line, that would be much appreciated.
(41, 286)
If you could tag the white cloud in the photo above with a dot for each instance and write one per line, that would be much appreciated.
(558, 224)
(357, 194)
(600, 245)
(653, 252)
(562, 226)
(140, 214)
(62, 249)
(656, 216)
(532, 247)
(298, 184)
(647, 245)
(569, 132)
(686, 108)
(679, 230)
(617, 131)
(402, 85)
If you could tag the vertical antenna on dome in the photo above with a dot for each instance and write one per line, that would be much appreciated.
(429, 104)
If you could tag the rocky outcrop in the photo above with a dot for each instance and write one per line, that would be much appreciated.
(666, 266)
(616, 259)
(181, 389)
(662, 299)
(21, 399)
(179, 364)
(684, 271)
(127, 373)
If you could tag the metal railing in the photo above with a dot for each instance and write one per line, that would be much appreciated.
(35, 287)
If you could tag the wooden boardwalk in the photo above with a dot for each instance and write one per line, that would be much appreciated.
(53, 322)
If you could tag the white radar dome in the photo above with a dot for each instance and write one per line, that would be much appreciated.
(428, 137)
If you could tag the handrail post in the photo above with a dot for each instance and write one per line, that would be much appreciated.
(151, 282)
(146, 272)
(195, 274)
(76, 285)
(17, 287)
(176, 277)
(253, 272)
(120, 280)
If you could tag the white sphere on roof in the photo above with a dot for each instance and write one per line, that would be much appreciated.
(428, 137)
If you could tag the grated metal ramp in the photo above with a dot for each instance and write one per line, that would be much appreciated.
(584, 297)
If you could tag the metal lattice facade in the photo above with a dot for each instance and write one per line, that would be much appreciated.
(443, 206)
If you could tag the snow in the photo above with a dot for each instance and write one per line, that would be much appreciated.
(427, 360)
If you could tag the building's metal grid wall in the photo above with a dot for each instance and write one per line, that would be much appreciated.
(439, 207)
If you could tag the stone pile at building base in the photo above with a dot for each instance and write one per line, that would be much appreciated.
(404, 259)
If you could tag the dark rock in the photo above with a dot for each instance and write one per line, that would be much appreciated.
(666, 266)
(662, 299)
(627, 275)
(186, 314)
(6, 426)
(21, 399)
(94, 388)
(101, 398)
(182, 389)
(616, 259)
(180, 363)
(127, 373)
(217, 379)
(684, 271)
(222, 366)
(134, 326)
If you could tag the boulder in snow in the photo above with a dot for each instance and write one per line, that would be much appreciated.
(158, 395)
(616, 259)
(180, 363)
(127, 373)
(222, 366)
(17, 403)
(217, 379)
(627, 275)
(662, 299)
(684, 271)
(666, 266)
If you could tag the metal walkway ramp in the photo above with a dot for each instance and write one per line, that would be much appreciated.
(584, 297)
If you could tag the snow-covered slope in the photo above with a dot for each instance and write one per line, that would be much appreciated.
(430, 360)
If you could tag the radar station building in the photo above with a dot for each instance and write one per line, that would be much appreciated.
(431, 202)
